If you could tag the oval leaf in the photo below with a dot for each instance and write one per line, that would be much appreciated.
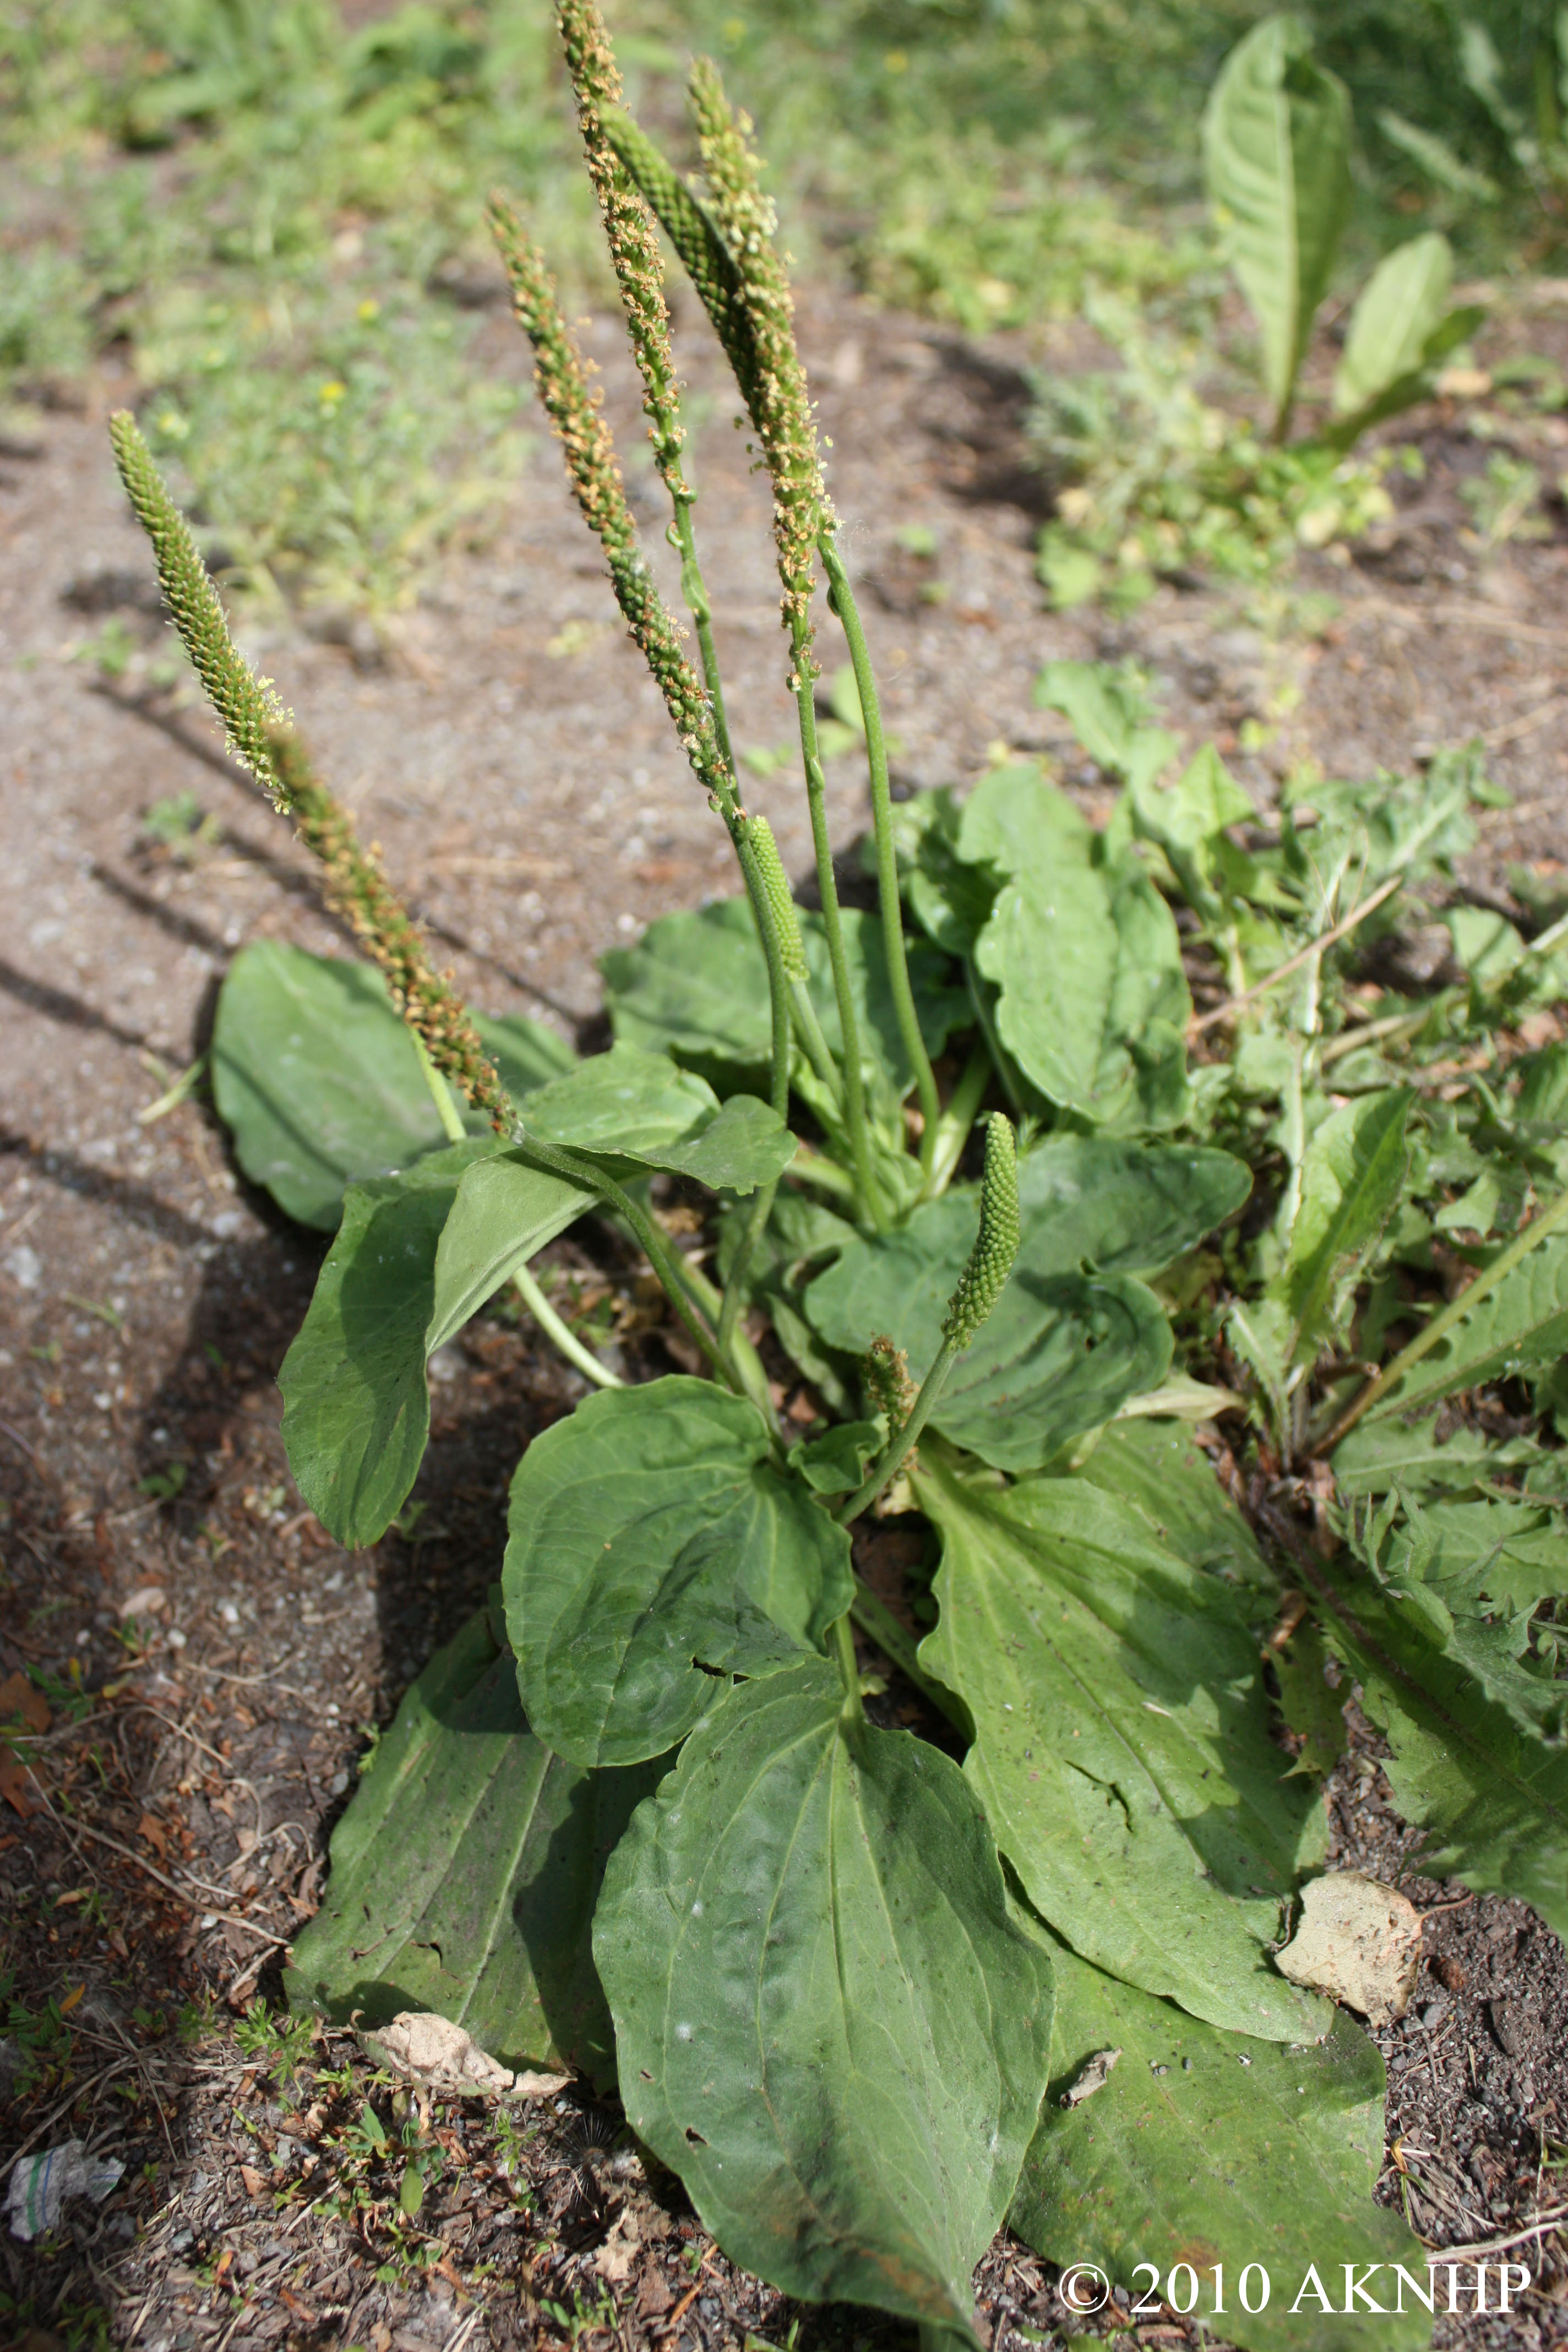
(356, 1409)
(1187, 2155)
(1396, 313)
(1122, 1745)
(318, 1081)
(827, 2023)
(465, 1872)
(695, 985)
(1277, 133)
(639, 1107)
(1093, 1001)
(653, 1544)
(1062, 1350)
(504, 1212)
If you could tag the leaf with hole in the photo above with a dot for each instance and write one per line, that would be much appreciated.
(827, 2023)
(1206, 2148)
(356, 1406)
(465, 1872)
(653, 1544)
(1122, 1746)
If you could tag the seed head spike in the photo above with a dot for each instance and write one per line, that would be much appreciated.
(778, 398)
(780, 898)
(887, 1381)
(247, 705)
(259, 732)
(996, 1246)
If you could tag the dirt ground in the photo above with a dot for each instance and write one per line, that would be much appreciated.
(212, 1659)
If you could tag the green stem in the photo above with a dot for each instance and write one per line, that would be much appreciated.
(1001, 1060)
(825, 1175)
(832, 926)
(849, 1667)
(760, 1210)
(440, 1093)
(748, 1363)
(808, 1029)
(877, 1623)
(841, 601)
(903, 1438)
(550, 1323)
(655, 1248)
(1444, 1321)
(694, 591)
(957, 1120)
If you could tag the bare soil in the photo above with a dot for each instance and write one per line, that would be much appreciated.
(502, 743)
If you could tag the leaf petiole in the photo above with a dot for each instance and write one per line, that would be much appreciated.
(566, 1339)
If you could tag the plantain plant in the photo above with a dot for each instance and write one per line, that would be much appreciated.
(973, 1170)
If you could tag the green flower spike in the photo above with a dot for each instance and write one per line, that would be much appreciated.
(780, 897)
(978, 1289)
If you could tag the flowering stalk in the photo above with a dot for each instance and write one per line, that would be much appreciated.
(773, 386)
(584, 435)
(841, 601)
(260, 733)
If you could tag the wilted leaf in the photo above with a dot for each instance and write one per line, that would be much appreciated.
(465, 1872)
(1122, 1745)
(827, 2023)
(653, 1544)
(1207, 2148)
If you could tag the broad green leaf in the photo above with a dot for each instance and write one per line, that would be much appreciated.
(1352, 1178)
(318, 1079)
(1017, 818)
(1521, 1324)
(1072, 1336)
(1379, 1455)
(1109, 715)
(1492, 1795)
(465, 1872)
(356, 1409)
(1188, 820)
(1187, 2154)
(1159, 1468)
(827, 2023)
(628, 1105)
(1276, 135)
(1093, 1001)
(504, 1212)
(1122, 1746)
(653, 1544)
(1394, 315)
(949, 899)
(696, 986)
